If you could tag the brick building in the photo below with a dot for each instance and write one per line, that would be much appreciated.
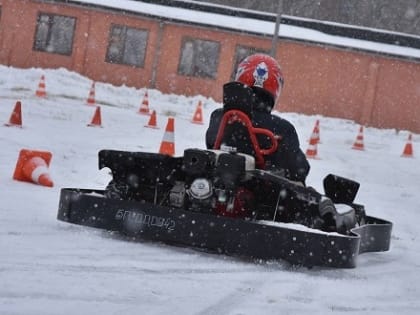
(372, 78)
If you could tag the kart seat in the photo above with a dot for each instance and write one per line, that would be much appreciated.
(236, 124)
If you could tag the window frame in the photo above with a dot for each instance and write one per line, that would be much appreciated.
(44, 48)
(198, 74)
(121, 61)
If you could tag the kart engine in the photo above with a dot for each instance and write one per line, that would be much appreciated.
(213, 182)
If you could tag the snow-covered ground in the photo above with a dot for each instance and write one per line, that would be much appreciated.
(50, 267)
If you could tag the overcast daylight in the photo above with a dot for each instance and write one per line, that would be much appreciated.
(209, 157)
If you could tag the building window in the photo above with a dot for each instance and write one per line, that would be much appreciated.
(54, 33)
(199, 58)
(241, 53)
(127, 45)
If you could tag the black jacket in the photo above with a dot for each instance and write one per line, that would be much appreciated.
(289, 159)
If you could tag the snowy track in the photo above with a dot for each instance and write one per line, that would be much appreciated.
(50, 267)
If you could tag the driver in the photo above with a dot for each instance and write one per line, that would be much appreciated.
(263, 75)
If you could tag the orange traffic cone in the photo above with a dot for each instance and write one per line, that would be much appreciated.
(168, 142)
(198, 114)
(91, 97)
(144, 107)
(32, 166)
(358, 144)
(16, 116)
(408, 148)
(152, 121)
(96, 119)
(41, 91)
(315, 132)
(312, 151)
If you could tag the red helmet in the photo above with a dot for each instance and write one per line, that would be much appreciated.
(262, 71)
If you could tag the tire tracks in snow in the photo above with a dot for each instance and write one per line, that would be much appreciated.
(241, 292)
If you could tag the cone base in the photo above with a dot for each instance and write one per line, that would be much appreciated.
(167, 148)
(96, 119)
(12, 125)
(313, 157)
(408, 150)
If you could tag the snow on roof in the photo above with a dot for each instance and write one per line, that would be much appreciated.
(253, 25)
